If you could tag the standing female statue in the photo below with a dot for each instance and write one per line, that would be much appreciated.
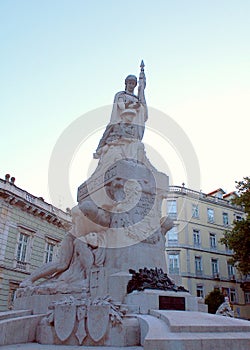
(129, 114)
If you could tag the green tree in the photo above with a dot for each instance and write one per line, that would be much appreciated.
(238, 239)
(213, 300)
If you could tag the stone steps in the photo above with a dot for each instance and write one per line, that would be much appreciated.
(16, 328)
(199, 341)
(191, 321)
(152, 328)
(14, 313)
(175, 330)
(36, 346)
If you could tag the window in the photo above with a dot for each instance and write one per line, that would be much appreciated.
(199, 291)
(210, 215)
(22, 247)
(231, 270)
(247, 297)
(174, 264)
(196, 238)
(49, 252)
(232, 295)
(225, 219)
(172, 209)
(198, 265)
(195, 211)
(172, 236)
(225, 291)
(13, 286)
(215, 267)
(51, 249)
(212, 237)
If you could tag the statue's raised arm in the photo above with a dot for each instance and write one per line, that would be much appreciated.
(141, 89)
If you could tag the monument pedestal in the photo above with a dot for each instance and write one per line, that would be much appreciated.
(151, 299)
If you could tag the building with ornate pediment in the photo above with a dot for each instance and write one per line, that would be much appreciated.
(30, 233)
(195, 257)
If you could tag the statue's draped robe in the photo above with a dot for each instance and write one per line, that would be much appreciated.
(127, 123)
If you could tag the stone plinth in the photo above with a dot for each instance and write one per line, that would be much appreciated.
(118, 285)
(39, 303)
(152, 299)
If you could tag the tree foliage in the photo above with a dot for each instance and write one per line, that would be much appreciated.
(238, 239)
(213, 300)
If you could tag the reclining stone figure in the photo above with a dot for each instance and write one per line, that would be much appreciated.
(78, 251)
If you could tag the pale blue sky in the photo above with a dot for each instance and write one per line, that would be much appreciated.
(63, 58)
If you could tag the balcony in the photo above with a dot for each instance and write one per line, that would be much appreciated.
(172, 243)
(174, 271)
(216, 276)
(21, 265)
(198, 273)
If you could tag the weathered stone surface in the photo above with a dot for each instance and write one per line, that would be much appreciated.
(98, 321)
(174, 330)
(81, 333)
(62, 313)
(39, 303)
(19, 329)
(193, 321)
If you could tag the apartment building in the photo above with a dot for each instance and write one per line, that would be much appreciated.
(195, 257)
(30, 233)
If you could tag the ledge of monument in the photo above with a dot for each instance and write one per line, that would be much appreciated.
(194, 321)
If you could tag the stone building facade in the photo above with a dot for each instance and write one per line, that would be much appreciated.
(195, 256)
(30, 233)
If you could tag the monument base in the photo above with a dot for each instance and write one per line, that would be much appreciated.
(127, 334)
(148, 326)
(151, 299)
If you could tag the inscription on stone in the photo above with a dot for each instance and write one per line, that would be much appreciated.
(171, 303)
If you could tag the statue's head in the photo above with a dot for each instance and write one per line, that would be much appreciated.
(131, 78)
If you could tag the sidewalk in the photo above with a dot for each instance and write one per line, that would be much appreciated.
(35, 346)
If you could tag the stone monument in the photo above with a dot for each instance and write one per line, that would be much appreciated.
(117, 224)
(109, 286)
